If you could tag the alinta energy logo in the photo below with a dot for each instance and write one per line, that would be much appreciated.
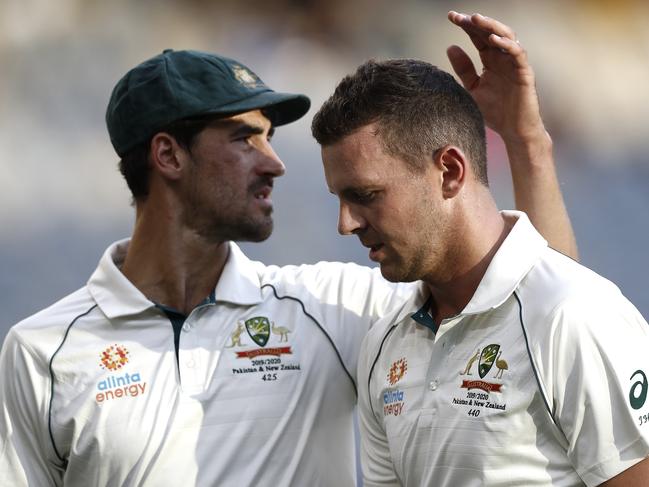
(117, 386)
(397, 371)
(114, 357)
(393, 400)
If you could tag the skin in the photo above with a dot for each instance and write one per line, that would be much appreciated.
(636, 476)
(200, 198)
(506, 94)
(440, 225)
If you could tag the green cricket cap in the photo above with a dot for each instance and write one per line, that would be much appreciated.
(176, 85)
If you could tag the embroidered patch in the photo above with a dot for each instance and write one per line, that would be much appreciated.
(397, 370)
(114, 357)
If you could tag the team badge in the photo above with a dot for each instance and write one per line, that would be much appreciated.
(259, 329)
(245, 77)
(397, 371)
(114, 357)
(487, 359)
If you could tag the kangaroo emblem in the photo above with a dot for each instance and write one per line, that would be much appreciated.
(235, 336)
(467, 369)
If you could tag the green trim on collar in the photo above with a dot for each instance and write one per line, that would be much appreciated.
(423, 317)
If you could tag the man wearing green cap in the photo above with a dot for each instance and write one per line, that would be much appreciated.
(181, 362)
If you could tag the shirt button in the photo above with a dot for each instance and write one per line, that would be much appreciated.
(187, 327)
(190, 364)
(433, 385)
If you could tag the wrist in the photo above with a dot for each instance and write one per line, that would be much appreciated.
(530, 147)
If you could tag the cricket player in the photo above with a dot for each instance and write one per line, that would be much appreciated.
(181, 361)
(510, 364)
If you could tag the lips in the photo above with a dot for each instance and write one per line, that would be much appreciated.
(262, 189)
(263, 193)
(375, 250)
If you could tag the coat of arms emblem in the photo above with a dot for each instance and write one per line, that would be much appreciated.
(487, 359)
(259, 329)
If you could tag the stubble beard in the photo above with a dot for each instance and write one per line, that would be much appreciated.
(222, 228)
(222, 225)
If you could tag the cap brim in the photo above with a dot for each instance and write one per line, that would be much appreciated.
(281, 108)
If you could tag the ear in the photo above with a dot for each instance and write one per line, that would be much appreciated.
(167, 157)
(453, 164)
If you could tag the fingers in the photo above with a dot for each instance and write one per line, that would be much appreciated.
(463, 67)
(493, 26)
(486, 33)
(480, 28)
(478, 37)
(511, 47)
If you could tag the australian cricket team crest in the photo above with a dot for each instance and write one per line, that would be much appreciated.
(259, 329)
(245, 77)
(487, 359)
(271, 354)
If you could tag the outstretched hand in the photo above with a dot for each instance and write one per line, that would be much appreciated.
(505, 91)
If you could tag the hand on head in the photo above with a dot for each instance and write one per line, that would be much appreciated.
(505, 90)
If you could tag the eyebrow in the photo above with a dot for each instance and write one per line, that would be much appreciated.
(242, 129)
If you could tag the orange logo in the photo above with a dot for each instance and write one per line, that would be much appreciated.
(397, 371)
(114, 357)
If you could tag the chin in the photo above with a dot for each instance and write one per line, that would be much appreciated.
(397, 275)
(256, 233)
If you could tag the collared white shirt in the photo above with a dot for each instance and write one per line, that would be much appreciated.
(541, 380)
(259, 392)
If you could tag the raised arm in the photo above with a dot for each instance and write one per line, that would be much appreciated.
(505, 91)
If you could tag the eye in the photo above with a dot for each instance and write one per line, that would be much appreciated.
(363, 197)
(242, 138)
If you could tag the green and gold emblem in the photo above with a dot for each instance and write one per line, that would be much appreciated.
(259, 329)
(487, 359)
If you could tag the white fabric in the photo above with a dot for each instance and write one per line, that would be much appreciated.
(554, 408)
(75, 412)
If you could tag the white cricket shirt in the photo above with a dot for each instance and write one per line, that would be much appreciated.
(541, 380)
(260, 391)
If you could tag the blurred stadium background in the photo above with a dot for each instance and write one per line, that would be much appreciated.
(63, 200)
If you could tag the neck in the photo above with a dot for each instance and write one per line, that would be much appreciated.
(478, 237)
(171, 264)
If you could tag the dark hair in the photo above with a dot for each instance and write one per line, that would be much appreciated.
(417, 107)
(134, 166)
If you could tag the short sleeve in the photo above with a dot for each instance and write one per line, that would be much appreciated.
(600, 357)
(24, 438)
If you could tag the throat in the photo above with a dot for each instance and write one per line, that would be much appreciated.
(174, 276)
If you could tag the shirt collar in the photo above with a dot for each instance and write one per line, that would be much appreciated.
(113, 292)
(239, 282)
(117, 296)
(515, 257)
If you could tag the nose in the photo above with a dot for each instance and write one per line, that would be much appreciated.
(271, 164)
(349, 221)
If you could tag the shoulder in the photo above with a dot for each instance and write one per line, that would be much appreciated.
(558, 286)
(334, 283)
(321, 273)
(570, 311)
(42, 332)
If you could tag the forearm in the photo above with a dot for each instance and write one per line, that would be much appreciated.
(537, 191)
